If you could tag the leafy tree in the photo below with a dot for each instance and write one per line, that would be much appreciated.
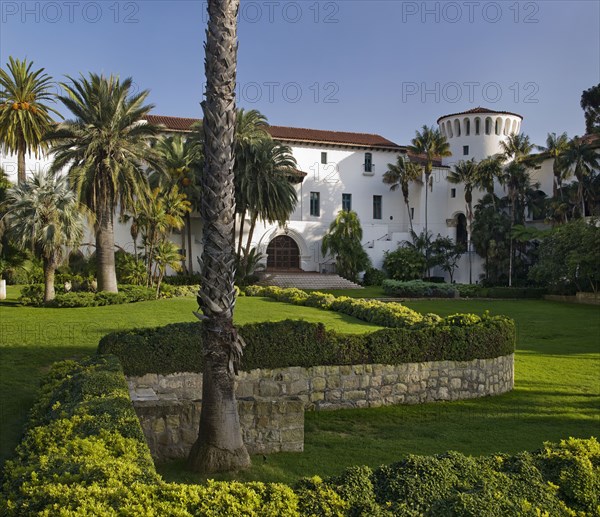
(104, 149)
(517, 147)
(570, 254)
(343, 240)
(44, 216)
(267, 190)
(590, 103)
(556, 147)
(421, 242)
(219, 446)
(580, 159)
(431, 144)
(488, 171)
(446, 254)
(167, 255)
(466, 173)
(25, 116)
(182, 160)
(400, 175)
(404, 264)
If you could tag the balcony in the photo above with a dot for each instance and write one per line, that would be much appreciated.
(368, 169)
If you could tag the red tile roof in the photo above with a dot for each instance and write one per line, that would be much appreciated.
(294, 134)
(479, 109)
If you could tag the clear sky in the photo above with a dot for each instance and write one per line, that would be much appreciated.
(371, 66)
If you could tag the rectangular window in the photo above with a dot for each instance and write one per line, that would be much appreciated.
(377, 205)
(465, 150)
(324, 158)
(347, 202)
(368, 162)
(412, 213)
(315, 204)
(452, 192)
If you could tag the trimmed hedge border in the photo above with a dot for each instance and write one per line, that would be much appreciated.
(34, 295)
(178, 347)
(84, 454)
(419, 289)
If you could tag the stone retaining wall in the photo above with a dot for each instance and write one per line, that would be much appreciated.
(272, 401)
(171, 425)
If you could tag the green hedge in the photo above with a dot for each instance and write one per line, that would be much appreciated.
(419, 289)
(84, 454)
(34, 295)
(478, 291)
(374, 311)
(178, 347)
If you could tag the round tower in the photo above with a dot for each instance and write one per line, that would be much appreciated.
(477, 133)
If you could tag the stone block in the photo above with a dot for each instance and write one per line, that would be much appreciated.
(318, 384)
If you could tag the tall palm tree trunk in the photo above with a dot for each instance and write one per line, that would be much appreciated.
(49, 271)
(219, 446)
(188, 224)
(105, 250)
(409, 217)
(251, 232)
(241, 236)
(21, 175)
(183, 245)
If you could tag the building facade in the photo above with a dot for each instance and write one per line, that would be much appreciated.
(345, 170)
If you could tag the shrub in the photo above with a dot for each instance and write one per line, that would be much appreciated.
(84, 453)
(373, 276)
(178, 347)
(181, 279)
(478, 291)
(404, 264)
(419, 289)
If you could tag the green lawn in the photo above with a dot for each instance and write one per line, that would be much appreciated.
(557, 390)
(33, 338)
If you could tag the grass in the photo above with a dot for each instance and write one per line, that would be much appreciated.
(557, 395)
(557, 392)
(31, 339)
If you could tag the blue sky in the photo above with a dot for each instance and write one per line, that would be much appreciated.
(373, 66)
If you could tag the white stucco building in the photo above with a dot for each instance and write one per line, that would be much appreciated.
(345, 170)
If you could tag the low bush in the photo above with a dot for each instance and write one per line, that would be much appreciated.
(404, 264)
(34, 295)
(178, 347)
(373, 276)
(478, 291)
(373, 311)
(84, 453)
(181, 279)
(419, 289)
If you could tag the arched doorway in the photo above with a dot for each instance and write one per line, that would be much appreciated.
(283, 254)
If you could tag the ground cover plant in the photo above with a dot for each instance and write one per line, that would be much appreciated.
(84, 453)
(556, 393)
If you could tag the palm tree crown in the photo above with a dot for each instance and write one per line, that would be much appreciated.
(104, 149)
(25, 116)
(400, 175)
(44, 216)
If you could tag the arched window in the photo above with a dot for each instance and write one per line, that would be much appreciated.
(457, 127)
(449, 126)
(477, 125)
(467, 123)
(488, 126)
(461, 230)
(498, 126)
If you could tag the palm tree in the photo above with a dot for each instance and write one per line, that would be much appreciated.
(517, 147)
(266, 187)
(25, 116)
(167, 255)
(104, 149)
(251, 127)
(400, 175)
(466, 172)
(488, 171)
(580, 159)
(219, 446)
(44, 216)
(343, 240)
(431, 144)
(181, 160)
(556, 146)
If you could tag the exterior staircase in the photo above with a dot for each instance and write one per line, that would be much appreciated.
(307, 281)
